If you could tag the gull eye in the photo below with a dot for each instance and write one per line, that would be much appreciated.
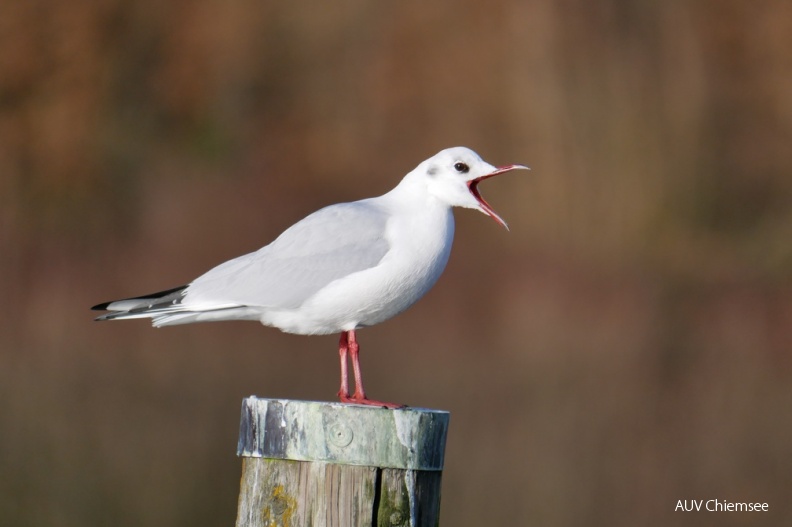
(462, 168)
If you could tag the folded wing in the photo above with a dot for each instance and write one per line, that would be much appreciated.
(331, 243)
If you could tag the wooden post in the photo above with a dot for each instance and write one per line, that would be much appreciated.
(339, 465)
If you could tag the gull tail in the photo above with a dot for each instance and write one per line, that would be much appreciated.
(154, 306)
(165, 308)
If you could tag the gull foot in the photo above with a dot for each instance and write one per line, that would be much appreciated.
(369, 402)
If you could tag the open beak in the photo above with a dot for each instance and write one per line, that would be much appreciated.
(473, 186)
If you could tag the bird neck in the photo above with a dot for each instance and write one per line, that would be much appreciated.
(413, 193)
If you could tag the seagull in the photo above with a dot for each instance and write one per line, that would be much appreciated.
(344, 267)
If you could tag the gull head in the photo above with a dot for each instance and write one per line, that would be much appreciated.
(453, 175)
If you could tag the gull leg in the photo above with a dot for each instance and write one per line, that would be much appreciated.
(359, 397)
(343, 348)
(354, 350)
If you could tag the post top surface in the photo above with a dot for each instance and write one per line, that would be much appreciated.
(334, 432)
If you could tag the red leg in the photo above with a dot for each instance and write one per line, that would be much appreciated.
(359, 397)
(354, 350)
(343, 347)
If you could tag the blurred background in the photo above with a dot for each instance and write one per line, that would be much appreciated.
(625, 346)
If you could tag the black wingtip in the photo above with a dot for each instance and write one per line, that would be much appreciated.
(104, 305)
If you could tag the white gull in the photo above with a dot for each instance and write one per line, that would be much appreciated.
(344, 267)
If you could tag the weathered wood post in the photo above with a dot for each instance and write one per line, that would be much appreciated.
(337, 465)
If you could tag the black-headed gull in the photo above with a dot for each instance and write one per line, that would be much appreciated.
(344, 267)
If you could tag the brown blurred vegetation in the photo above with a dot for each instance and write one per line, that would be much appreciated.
(627, 345)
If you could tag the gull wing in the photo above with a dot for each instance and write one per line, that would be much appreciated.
(331, 243)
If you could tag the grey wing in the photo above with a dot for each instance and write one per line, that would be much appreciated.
(327, 245)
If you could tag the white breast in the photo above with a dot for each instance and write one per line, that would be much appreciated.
(420, 240)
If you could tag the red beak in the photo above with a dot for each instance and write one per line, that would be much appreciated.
(473, 186)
